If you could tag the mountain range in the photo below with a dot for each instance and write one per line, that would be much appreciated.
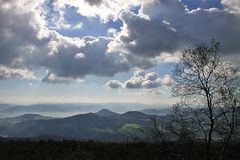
(101, 125)
(66, 110)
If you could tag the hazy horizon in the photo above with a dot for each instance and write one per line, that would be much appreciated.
(71, 109)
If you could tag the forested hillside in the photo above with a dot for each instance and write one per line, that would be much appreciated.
(92, 150)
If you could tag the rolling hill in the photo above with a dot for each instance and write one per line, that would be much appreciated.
(102, 125)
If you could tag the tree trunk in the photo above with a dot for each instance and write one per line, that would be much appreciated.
(208, 148)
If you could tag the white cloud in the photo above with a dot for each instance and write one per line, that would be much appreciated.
(78, 26)
(105, 9)
(167, 80)
(6, 73)
(141, 79)
(232, 6)
(155, 91)
(112, 32)
(22, 28)
(114, 84)
(80, 55)
(168, 57)
(134, 82)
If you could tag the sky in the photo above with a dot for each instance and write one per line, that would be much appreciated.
(105, 51)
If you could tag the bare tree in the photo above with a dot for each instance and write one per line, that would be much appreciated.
(199, 79)
(160, 137)
(179, 123)
(226, 125)
(157, 130)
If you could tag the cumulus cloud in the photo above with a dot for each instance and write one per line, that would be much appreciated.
(114, 84)
(155, 91)
(80, 55)
(141, 79)
(6, 73)
(171, 27)
(27, 43)
(149, 80)
(232, 5)
(22, 30)
(168, 57)
(105, 9)
(167, 80)
(94, 62)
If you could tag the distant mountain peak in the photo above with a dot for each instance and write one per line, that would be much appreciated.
(30, 115)
(134, 113)
(105, 113)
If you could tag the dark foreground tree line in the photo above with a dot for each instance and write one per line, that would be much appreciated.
(92, 150)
